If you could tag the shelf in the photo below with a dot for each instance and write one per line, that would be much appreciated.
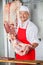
(13, 60)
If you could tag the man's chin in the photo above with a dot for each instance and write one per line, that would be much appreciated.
(23, 20)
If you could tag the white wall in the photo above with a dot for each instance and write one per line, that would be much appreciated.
(40, 18)
(2, 49)
(40, 24)
(37, 18)
(1, 31)
(39, 51)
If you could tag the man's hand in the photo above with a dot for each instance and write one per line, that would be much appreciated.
(25, 50)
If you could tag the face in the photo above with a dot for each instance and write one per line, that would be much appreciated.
(23, 15)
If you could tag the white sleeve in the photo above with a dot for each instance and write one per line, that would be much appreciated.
(32, 34)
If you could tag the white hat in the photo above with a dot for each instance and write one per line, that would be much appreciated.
(24, 8)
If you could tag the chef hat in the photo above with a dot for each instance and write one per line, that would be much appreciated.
(24, 8)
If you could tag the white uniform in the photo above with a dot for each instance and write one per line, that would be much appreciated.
(31, 30)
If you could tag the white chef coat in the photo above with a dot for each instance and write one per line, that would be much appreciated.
(31, 30)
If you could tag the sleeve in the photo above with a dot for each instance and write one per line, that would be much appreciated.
(32, 34)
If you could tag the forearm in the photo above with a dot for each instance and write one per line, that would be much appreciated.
(33, 45)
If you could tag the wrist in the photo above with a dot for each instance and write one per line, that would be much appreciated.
(31, 47)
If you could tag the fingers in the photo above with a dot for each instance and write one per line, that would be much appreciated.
(26, 50)
(23, 51)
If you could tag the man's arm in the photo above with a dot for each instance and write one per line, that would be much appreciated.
(34, 45)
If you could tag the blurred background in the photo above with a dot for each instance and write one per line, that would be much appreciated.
(36, 10)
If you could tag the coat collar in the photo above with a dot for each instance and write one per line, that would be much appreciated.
(23, 25)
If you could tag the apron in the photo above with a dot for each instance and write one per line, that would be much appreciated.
(22, 37)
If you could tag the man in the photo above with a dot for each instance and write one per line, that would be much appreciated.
(27, 34)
